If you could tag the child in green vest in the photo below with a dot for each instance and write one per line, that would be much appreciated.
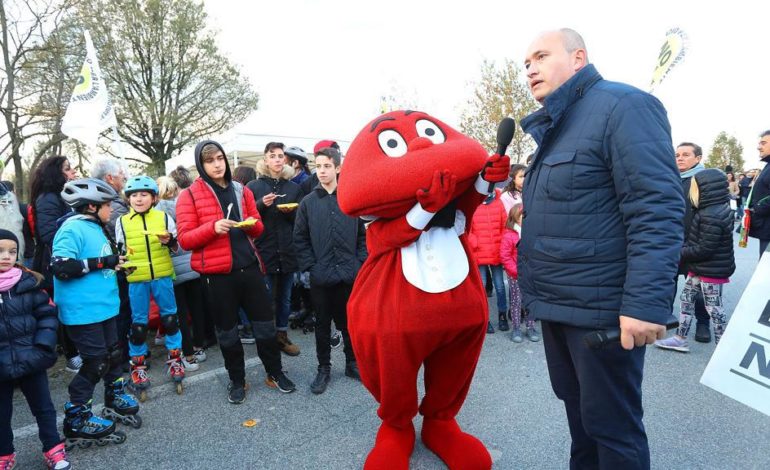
(148, 235)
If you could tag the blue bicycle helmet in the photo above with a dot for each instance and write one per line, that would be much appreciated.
(140, 183)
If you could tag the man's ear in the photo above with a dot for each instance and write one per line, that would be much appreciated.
(580, 60)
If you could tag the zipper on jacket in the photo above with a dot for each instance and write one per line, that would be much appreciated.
(147, 243)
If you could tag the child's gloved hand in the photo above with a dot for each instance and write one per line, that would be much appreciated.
(103, 262)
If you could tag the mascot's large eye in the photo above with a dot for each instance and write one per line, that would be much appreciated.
(392, 143)
(430, 130)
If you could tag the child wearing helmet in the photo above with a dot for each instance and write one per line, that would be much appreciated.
(83, 261)
(148, 235)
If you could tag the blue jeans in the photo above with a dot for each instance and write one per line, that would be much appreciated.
(35, 390)
(497, 281)
(163, 292)
(281, 295)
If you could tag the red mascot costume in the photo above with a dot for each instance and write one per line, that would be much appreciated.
(418, 299)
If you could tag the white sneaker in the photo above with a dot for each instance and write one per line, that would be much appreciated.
(191, 364)
(74, 364)
(200, 355)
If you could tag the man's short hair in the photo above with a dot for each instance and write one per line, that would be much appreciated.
(572, 40)
(765, 134)
(272, 146)
(331, 153)
(695, 148)
(106, 166)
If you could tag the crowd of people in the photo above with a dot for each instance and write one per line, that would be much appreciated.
(229, 257)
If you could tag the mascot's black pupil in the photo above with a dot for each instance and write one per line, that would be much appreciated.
(392, 143)
(430, 132)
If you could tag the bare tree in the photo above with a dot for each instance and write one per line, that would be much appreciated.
(170, 84)
(499, 93)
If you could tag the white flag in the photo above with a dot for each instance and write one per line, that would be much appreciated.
(90, 110)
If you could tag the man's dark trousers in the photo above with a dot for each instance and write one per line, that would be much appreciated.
(602, 393)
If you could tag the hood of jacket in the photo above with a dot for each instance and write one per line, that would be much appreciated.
(199, 163)
(712, 187)
(286, 174)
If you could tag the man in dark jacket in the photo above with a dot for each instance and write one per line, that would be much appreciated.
(688, 161)
(600, 243)
(332, 247)
(760, 197)
(277, 201)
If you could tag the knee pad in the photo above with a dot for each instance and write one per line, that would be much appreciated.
(93, 369)
(170, 324)
(138, 333)
(228, 338)
(263, 330)
(114, 354)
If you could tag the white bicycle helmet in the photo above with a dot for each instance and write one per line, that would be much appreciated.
(85, 191)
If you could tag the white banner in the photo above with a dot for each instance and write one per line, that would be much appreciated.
(740, 366)
(90, 110)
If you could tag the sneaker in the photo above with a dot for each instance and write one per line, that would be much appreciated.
(281, 382)
(74, 364)
(200, 355)
(321, 381)
(56, 458)
(702, 333)
(674, 343)
(7, 462)
(516, 336)
(246, 336)
(351, 370)
(190, 365)
(533, 334)
(236, 393)
(336, 340)
(502, 322)
(490, 328)
(289, 348)
(160, 340)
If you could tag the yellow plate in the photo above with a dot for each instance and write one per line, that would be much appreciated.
(288, 205)
(157, 233)
(246, 223)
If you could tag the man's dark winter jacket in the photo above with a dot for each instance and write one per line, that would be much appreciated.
(760, 204)
(27, 329)
(328, 243)
(603, 204)
(708, 250)
(275, 246)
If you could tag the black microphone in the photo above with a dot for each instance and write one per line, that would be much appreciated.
(601, 338)
(505, 131)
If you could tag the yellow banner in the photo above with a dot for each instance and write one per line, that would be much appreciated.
(671, 53)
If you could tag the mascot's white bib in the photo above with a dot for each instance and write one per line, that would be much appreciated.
(437, 261)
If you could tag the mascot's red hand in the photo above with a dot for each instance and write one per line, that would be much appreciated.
(439, 194)
(496, 169)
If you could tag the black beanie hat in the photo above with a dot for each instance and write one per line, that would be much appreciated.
(8, 235)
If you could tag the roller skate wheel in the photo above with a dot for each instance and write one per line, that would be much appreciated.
(84, 444)
(179, 388)
(120, 437)
(137, 422)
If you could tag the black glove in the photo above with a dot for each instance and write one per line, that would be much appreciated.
(103, 262)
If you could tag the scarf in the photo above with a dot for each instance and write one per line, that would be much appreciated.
(691, 172)
(9, 278)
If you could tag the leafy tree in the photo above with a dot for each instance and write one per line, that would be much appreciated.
(499, 93)
(170, 84)
(725, 151)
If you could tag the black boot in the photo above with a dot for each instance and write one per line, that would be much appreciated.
(351, 370)
(321, 381)
(502, 322)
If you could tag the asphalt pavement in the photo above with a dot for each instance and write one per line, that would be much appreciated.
(510, 407)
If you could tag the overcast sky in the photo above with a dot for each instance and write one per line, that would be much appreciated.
(320, 67)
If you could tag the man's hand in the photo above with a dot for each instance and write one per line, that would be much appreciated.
(441, 191)
(223, 226)
(496, 169)
(268, 199)
(637, 333)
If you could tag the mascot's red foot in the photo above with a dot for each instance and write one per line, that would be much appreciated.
(392, 449)
(458, 450)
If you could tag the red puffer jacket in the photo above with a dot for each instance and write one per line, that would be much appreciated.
(509, 252)
(487, 230)
(197, 211)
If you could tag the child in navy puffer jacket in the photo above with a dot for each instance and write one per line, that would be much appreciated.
(27, 348)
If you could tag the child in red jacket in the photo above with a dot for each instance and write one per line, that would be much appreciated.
(486, 233)
(508, 256)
